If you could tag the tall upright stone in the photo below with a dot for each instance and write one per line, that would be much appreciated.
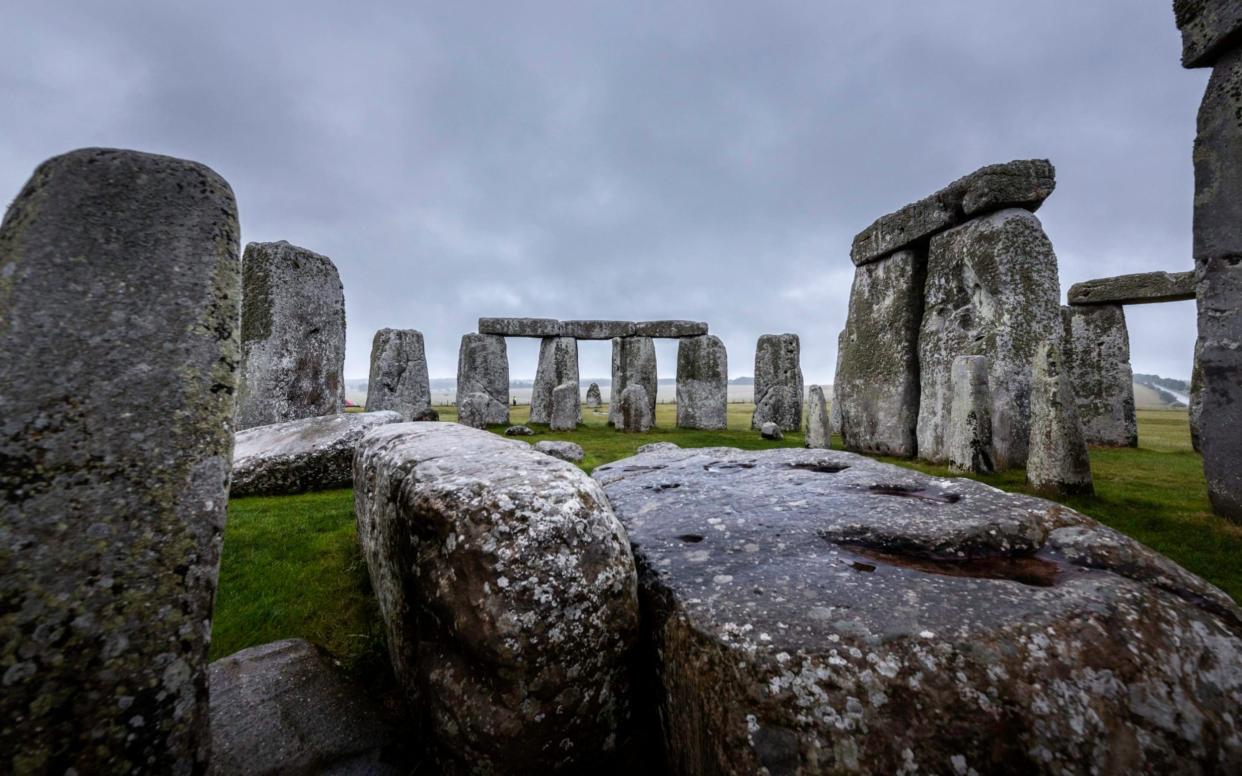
(970, 421)
(1096, 346)
(635, 410)
(1058, 464)
(633, 363)
(558, 364)
(593, 398)
(778, 382)
(818, 420)
(991, 290)
(836, 396)
(293, 335)
(702, 383)
(566, 407)
(483, 369)
(1195, 408)
(877, 378)
(399, 380)
(120, 294)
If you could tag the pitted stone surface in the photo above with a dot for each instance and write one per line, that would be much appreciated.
(520, 327)
(970, 417)
(1143, 288)
(293, 335)
(597, 330)
(818, 420)
(1058, 464)
(822, 611)
(1209, 29)
(508, 590)
(702, 383)
(566, 451)
(398, 379)
(992, 290)
(633, 363)
(120, 294)
(1096, 345)
(778, 382)
(301, 455)
(634, 410)
(670, 329)
(566, 407)
(558, 363)
(483, 368)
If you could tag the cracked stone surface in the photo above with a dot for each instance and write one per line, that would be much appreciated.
(778, 382)
(633, 363)
(398, 379)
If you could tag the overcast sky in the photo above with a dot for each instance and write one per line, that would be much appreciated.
(704, 160)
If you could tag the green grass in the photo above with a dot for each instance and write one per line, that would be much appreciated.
(291, 566)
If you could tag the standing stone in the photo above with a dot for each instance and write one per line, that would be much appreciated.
(818, 420)
(702, 383)
(635, 410)
(1058, 464)
(1096, 346)
(1195, 409)
(120, 295)
(778, 382)
(399, 380)
(558, 364)
(566, 407)
(293, 336)
(483, 368)
(593, 398)
(878, 366)
(970, 419)
(991, 290)
(633, 363)
(836, 396)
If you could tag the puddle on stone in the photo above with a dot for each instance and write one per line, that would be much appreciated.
(821, 468)
(652, 468)
(662, 486)
(691, 538)
(923, 494)
(726, 466)
(1029, 570)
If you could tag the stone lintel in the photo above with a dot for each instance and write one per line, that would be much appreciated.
(1208, 27)
(1141, 288)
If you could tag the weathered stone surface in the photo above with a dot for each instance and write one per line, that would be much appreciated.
(429, 413)
(566, 407)
(991, 290)
(120, 293)
(778, 382)
(1024, 183)
(1096, 347)
(399, 380)
(818, 420)
(483, 367)
(770, 430)
(635, 415)
(293, 335)
(836, 399)
(670, 329)
(1058, 464)
(558, 363)
(1209, 29)
(652, 447)
(877, 377)
(519, 431)
(597, 330)
(478, 410)
(508, 591)
(702, 383)
(1218, 281)
(301, 455)
(814, 611)
(1195, 409)
(282, 708)
(520, 327)
(633, 363)
(593, 398)
(566, 451)
(970, 416)
(1143, 288)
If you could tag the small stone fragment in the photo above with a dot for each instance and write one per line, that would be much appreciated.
(518, 431)
(635, 410)
(818, 420)
(398, 379)
(778, 382)
(970, 418)
(702, 383)
(566, 407)
(483, 368)
(593, 398)
(1058, 464)
(770, 430)
(652, 447)
(633, 363)
(566, 451)
(429, 413)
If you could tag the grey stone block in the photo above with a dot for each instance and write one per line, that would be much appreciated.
(1058, 464)
(702, 383)
(818, 420)
(634, 413)
(633, 363)
(670, 329)
(597, 330)
(1096, 348)
(566, 407)
(398, 379)
(1209, 28)
(1142, 288)
(520, 327)
(778, 382)
(558, 363)
(483, 368)
(970, 422)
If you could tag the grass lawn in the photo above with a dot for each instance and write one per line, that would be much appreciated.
(291, 567)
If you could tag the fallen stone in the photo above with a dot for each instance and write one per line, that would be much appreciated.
(566, 451)
(814, 611)
(426, 414)
(510, 623)
(519, 431)
(292, 334)
(1058, 464)
(669, 329)
(520, 327)
(778, 382)
(301, 455)
(818, 420)
(1209, 29)
(1018, 184)
(702, 383)
(597, 330)
(877, 378)
(283, 708)
(399, 380)
(566, 407)
(478, 410)
(633, 363)
(970, 417)
(1096, 348)
(558, 363)
(593, 398)
(483, 367)
(770, 430)
(653, 447)
(1143, 288)
(991, 290)
(634, 408)
(120, 295)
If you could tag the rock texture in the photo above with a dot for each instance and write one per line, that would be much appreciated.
(120, 294)
(1143, 288)
(301, 455)
(1195, 410)
(1058, 464)
(702, 383)
(566, 451)
(566, 407)
(970, 417)
(991, 290)
(634, 410)
(819, 612)
(778, 382)
(837, 409)
(590, 330)
(633, 363)
(483, 368)
(877, 378)
(597, 330)
(282, 708)
(1209, 29)
(293, 335)
(1025, 184)
(519, 431)
(520, 327)
(771, 431)
(399, 380)
(670, 329)
(508, 591)
(558, 363)
(478, 410)
(818, 420)
(1096, 347)
(593, 398)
